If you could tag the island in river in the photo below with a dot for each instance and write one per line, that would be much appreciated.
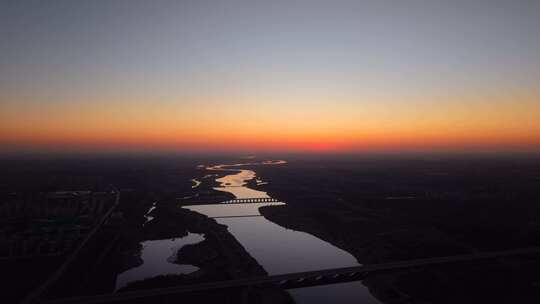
(331, 212)
(367, 211)
(270, 248)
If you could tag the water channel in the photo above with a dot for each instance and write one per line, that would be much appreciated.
(277, 249)
(158, 257)
(280, 250)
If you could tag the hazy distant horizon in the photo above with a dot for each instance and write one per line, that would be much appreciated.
(235, 155)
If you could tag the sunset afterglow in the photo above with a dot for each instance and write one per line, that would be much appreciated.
(192, 77)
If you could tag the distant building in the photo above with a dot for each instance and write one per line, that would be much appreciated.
(52, 223)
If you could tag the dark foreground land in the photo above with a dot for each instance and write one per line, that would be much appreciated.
(45, 207)
(400, 208)
(380, 209)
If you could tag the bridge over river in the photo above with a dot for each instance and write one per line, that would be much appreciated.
(252, 200)
(300, 260)
(295, 280)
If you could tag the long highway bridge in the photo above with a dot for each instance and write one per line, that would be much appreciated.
(222, 199)
(251, 200)
(294, 280)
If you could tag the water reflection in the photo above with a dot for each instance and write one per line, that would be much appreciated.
(344, 293)
(223, 210)
(243, 192)
(277, 249)
(196, 183)
(280, 250)
(235, 183)
(236, 180)
(157, 256)
(148, 218)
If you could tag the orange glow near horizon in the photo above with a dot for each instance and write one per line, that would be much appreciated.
(313, 124)
(270, 76)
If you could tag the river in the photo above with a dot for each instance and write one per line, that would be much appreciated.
(158, 259)
(277, 249)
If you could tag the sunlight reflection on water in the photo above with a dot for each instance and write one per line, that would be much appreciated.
(156, 256)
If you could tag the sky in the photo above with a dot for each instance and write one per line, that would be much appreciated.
(270, 75)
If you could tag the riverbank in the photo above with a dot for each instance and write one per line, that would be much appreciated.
(218, 257)
(392, 210)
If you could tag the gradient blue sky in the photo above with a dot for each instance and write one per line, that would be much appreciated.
(263, 58)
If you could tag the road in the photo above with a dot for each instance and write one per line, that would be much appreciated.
(296, 280)
(34, 296)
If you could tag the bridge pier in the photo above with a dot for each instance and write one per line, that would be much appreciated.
(251, 200)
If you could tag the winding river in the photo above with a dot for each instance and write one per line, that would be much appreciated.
(277, 249)
(280, 250)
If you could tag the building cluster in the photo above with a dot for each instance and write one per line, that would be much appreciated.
(49, 224)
